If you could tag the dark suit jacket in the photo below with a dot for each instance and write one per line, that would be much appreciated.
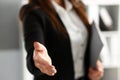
(38, 27)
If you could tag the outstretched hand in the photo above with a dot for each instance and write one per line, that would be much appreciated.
(42, 60)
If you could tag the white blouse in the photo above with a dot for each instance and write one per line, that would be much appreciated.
(77, 32)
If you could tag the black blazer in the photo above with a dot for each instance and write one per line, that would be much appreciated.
(38, 27)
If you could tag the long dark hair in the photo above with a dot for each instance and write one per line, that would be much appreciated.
(48, 8)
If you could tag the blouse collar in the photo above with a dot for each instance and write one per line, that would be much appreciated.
(58, 8)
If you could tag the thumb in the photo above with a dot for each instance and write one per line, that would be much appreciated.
(99, 66)
(37, 46)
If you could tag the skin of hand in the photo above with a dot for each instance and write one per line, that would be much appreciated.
(96, 73)
(42, 60)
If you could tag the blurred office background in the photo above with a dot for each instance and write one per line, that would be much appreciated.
(12, 54)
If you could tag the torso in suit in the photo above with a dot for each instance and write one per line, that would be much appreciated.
(38, 27)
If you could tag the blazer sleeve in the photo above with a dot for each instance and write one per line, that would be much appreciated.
(33, 30)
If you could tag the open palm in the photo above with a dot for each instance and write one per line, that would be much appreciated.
(42, 60)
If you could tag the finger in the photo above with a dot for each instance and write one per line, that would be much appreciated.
(95, 75)
(99, 67)
(38, 46)
(44, 69)
(49, 70)
(99, 64)
(44, 62)
(94, 72)
(52, 70)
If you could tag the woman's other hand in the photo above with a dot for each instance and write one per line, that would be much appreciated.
(96, 73)
(42, 60)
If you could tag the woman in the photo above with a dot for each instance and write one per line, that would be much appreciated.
(56, 34)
